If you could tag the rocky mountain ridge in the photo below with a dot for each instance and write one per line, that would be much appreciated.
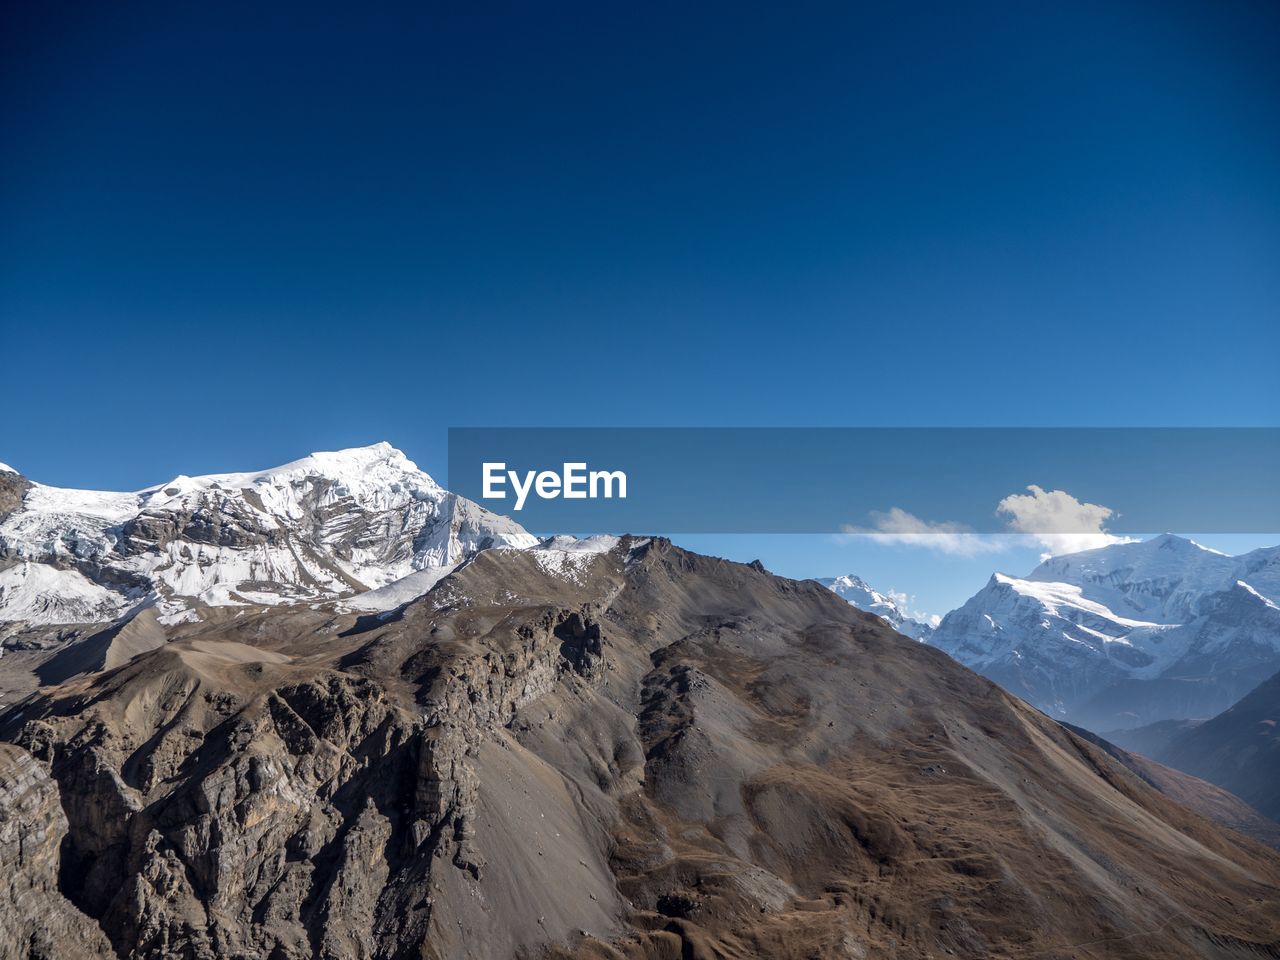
(614, 750)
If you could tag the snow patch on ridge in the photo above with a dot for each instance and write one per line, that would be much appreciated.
(1267, 601)
(397, 594)
(567, 557)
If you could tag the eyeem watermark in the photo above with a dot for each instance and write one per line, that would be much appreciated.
(574, 482)
(898, 484)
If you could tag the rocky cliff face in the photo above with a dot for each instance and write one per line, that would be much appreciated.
(13, 487)
(621, 751)
(35, 919)
(231, 799)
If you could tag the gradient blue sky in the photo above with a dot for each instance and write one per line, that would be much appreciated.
(231, 235)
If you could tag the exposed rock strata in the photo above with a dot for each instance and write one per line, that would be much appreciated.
(35, 919)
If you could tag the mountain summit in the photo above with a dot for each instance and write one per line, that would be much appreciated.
(331, 524)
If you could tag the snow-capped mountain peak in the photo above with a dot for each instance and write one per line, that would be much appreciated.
(1127, 633)
(375, 475)
(859, 593)
(330, 524)
(1161, 579)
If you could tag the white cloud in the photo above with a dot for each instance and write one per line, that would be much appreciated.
(1054, 519)
(899, 527)
(1058, 521)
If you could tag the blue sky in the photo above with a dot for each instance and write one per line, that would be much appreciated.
(230, 236)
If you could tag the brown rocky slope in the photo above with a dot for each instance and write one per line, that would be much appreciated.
(642, 753)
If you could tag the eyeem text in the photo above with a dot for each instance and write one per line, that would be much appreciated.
(574, 482)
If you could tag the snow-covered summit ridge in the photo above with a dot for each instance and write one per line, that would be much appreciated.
(375, 476)
(1158, 578)
(330, 524)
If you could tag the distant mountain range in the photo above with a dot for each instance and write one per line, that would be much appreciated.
(1163, 631)
(1127, 634)
(1157, 645)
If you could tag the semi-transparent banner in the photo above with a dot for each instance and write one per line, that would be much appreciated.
(873, 480)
